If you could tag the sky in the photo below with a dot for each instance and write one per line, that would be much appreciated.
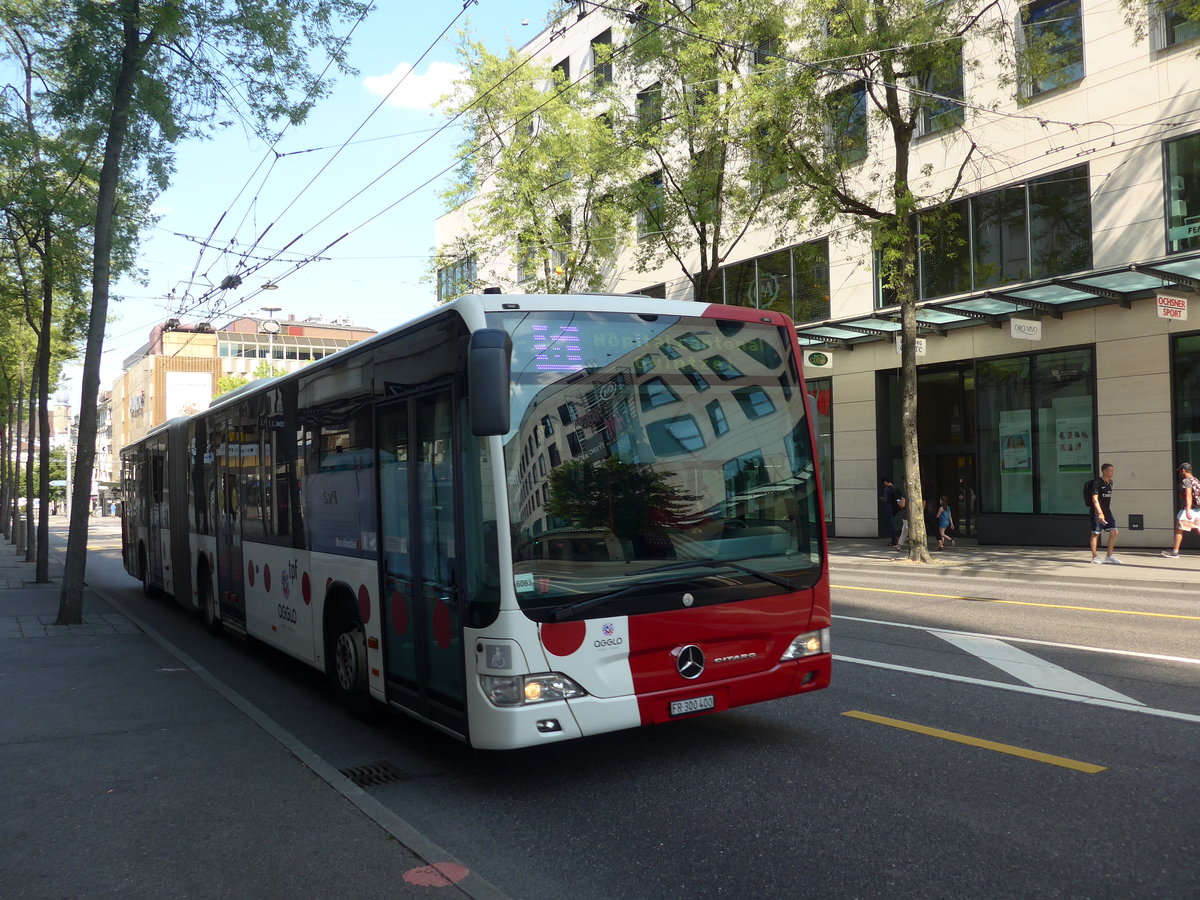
(380, 190)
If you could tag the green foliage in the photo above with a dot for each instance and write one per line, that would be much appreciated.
(560, 174)
(227, 383)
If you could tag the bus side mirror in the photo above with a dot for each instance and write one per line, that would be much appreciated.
(489, 357)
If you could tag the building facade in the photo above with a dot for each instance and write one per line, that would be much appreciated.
(1054, 331)
(176, 372)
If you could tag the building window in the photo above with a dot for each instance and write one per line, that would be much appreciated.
(649, 219)
(602, 70)
(1051, 36)
(1037, 434)
(793, 281)
(847, 137)
(649, 107)
(456, 279)
(671, 437)
(1182, 163)
(937, 113)
(1040, 229)
(1170, 24)
(754, 401)
(561, 72)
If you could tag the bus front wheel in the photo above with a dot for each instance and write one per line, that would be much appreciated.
(347, 646)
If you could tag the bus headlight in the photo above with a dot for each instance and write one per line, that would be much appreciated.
(521, 690)
(810, 644)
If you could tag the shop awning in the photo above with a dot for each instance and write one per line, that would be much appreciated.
(1048, 297)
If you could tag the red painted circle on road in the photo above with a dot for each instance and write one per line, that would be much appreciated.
(364, 603)
(563, 638)
(267, 578)
(437, 875)
(250, 572)
(306, 589)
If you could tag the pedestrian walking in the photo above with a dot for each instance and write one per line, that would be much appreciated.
(1103, 520)
(945, 520)
(889, 504)
(1188, 517)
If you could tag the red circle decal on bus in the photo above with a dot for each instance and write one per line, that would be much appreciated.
(364, 603)
(443, 629)
(250, 572)
(306, 589)
(399, 613)
(563, 638)
(267, 578)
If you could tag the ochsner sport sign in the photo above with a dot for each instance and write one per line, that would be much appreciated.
(1171, 306)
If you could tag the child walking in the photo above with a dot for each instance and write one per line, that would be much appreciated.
(944, 520)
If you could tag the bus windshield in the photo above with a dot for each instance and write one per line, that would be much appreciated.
(654, 462)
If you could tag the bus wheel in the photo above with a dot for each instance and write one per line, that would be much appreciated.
(148, 590)
(349, 656)
(209, 598)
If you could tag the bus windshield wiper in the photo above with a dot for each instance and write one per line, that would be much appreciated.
(570, 609)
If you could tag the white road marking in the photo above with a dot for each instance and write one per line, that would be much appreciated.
(1030, 669)
(1022, 689)
(1017, 640)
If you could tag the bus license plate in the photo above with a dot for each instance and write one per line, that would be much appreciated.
(695, 704)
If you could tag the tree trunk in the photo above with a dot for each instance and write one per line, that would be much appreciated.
(918, 538)
(29, 494)
(70, 607)
(42, 375)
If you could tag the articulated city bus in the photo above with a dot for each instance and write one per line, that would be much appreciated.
(521, 519)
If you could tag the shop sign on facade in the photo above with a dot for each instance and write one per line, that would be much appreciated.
(1025, 329)
(1171, 306)
(899, 340)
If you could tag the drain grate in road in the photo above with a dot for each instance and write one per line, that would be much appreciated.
(375, 774)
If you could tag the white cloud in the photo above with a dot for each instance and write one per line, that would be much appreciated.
(417, 91)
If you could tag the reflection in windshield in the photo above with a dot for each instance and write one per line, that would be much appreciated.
(643, 441)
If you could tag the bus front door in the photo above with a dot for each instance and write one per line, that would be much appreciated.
(418, 498)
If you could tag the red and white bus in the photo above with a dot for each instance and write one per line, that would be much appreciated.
(521, 519)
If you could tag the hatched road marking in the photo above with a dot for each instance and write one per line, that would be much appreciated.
(1030, 669)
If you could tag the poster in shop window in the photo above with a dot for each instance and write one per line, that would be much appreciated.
(1015, 443)
(1073, 438)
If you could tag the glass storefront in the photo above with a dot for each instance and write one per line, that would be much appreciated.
(1037, 430)
(1185, 397)
(820, 394)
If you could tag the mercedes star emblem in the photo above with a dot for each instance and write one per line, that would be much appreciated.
(690, 662)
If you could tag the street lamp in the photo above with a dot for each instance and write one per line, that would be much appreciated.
(270, 327)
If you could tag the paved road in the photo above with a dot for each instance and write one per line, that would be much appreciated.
(952, 757)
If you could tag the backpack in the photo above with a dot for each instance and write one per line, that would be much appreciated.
(1088, 493)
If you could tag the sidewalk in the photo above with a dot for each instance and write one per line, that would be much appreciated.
(1141, 566)
(129, 773)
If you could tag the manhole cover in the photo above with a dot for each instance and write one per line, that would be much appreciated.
(374, 774)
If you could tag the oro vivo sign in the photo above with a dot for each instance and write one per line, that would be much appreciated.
(1171, 307)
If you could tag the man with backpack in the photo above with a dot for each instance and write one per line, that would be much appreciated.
(1188, 517)
(1103, 520)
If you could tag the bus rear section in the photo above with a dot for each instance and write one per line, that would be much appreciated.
(667, 540)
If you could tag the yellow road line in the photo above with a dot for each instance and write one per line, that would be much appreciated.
(1063, 761)
(1118, 612)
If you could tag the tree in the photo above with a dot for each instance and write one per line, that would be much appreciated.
(139, 76)
(542, 150)
(712, 173)
(227, 383)
(897, 66)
